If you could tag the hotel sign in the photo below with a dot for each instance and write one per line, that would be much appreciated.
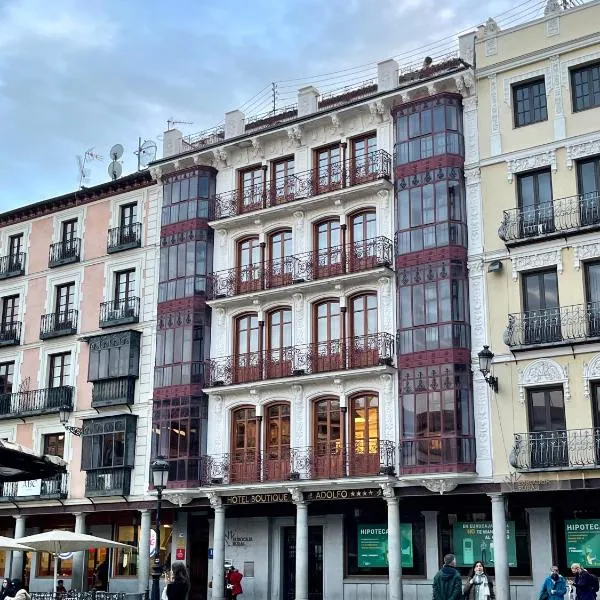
(308, 496)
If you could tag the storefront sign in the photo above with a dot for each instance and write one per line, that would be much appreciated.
(474, 541)
(582, 537)
(233, 539)
(372, 545)
(258, 499)
(180, 554)
(29, 488)
(343, 494)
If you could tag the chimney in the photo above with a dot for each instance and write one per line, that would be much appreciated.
(466, 47)
(387, 75)
(234, 124)
(308, 100)
(172, 143)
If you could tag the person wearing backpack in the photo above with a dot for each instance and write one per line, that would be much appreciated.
(585, 583)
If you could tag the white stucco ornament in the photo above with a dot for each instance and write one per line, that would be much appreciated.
(591, 372)
(439, 486)
(543, 372)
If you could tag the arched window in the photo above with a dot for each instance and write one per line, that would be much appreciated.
(327, 260)
(279, 343)
(248, 261)
(244, 463)
(277, 441)
(327, 347)
(363, 226)
(246, 349)
(328, 445)
(364, 447)
(363, 345)
(279, 269)
(364, 248)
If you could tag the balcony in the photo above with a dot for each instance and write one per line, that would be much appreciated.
(364, 458)
(35, 402)
(556, 450)
(65, 252)
(309, 266)
(308, 184)
(119, 312)
(12, 265)
(113, 481)
(51, 488)
(113, 392)
(124, 238)
(553, 326)
(58, 324)
(359, 352)
(10, 333)
(437, 455)
(575, 214)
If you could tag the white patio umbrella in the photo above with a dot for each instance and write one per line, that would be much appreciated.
(7, 543)
(58, 541)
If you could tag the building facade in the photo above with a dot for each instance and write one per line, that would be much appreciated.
(78, 287)
(535, 187)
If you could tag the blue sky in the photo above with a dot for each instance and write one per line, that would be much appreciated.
(76, 75)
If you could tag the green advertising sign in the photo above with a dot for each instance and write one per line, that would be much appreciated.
(582, 537)
(373, 545)
(474, 541)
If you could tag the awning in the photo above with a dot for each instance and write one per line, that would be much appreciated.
(18, 463)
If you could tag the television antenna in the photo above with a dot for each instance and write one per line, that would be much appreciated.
(115, 168)
(172, 122)
(145, 153)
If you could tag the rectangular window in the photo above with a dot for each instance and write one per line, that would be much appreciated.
(108, 443)
(65, 299)
(7, 372)
(128, 215)
(282, 176)
(54, 444)
(251, 186)
(60, 370)
(15, 245)
(10, 310)
(124, 285)
(585, 87)
(68, 231)
(45, 562)
(529, 101)
(535, 202)
(541, 318)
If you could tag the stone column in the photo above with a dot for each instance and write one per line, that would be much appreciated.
(394, 546)
(432, 547)
(540, 534)
(143, 560)
(77, 578)
(17, 557)
(218, 566)
(502, 579)
(301, 544)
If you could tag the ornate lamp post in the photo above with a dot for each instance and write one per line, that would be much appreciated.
(485, 362)
(160, 478)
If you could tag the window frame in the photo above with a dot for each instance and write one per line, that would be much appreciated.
(9, 373)
(65, 369)
(573, 72)
(530, 86)
(14, 301)
(130, 285)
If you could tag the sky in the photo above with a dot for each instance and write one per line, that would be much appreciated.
(78, 75)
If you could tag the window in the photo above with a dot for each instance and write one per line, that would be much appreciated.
(541, 319)
(115, 355)
(328, 323)
(249, 264)
(363, 226)
(588, 176)
(363, 321)
(328, 249)
(247, 346)
(108, 443)
(10, 310)
(585, 86)
(244, 448)
(126, 558)
(277, 442)
(280, 258)
(327, 435)
(364, 435)
(7, 372)
(547, 427)
(124, 286)
(128, 215)
(65, 300)
(279, 356)
(15, 249)
(535, 202)
(529, 101)
(45, 562)
(282, 176)
(54, 444)
(251, 188)
(329, 169)
(68, 231)
(185, 196)
(178, 355)
(592, 280)
(364, 158)
(60, 370)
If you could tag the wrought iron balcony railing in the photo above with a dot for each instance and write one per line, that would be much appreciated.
(112, 481)
(307, 184)
(12, 265)
(309, 266)
(560, 216)
(552, 450)
(553, 326)
(113, 392)
(358, 352)
(437, 454)
(55, 487)
(65, 252)
(57, 324)
(119, 312)
(10, 333)
(35, 402)
(124, 237)
(327, 460)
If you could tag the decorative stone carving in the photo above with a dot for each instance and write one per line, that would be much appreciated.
(588, 148)
(156, 173)
(556, 84)
(377, 110)
(536, 260)
(591, 371)
(387, 304)
(474, 218)
(299, 233)
(529, 163)
(471, 130)
(221, 157)
(222, 340)
(482, 415)
(257, 149)
(543, 371)
(386, 201)
(217, 423)
(566, 65)
(490, 33)
(387, 403)
(336, 124)
(298, 414)
(432, 89)
(552, 6)
(495, 138)
(178, 499)
(214, 499)
(553, 26)
(439, 486)
(299, 320)
(583, 252)
(297, 496)
(388, 491)
(461, 88)
(222, 233)
(295, 135)
(491, 27)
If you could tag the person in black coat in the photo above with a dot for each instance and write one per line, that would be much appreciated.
(179, 586)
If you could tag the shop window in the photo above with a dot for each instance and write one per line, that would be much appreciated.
(126, 558)
(45, 561)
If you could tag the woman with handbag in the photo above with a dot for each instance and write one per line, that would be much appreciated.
(555, 586)
(479, 587)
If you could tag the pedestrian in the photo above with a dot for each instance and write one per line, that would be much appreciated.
(234, 579)
(20, 593)
(478, 586)
(554, 586)
(5, 590)
(179, 586)
(585, 584)
(447, 584)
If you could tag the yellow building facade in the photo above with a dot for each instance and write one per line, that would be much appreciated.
(533, 193)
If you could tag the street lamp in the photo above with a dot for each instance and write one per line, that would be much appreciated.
(485, 362)
(64, 412)
(160, 478)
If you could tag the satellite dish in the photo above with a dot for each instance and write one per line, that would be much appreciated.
(115, 169)
(116, 152)
(147, 153)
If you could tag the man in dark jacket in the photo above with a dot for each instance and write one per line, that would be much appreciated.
(585, 584)
(447, 584)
